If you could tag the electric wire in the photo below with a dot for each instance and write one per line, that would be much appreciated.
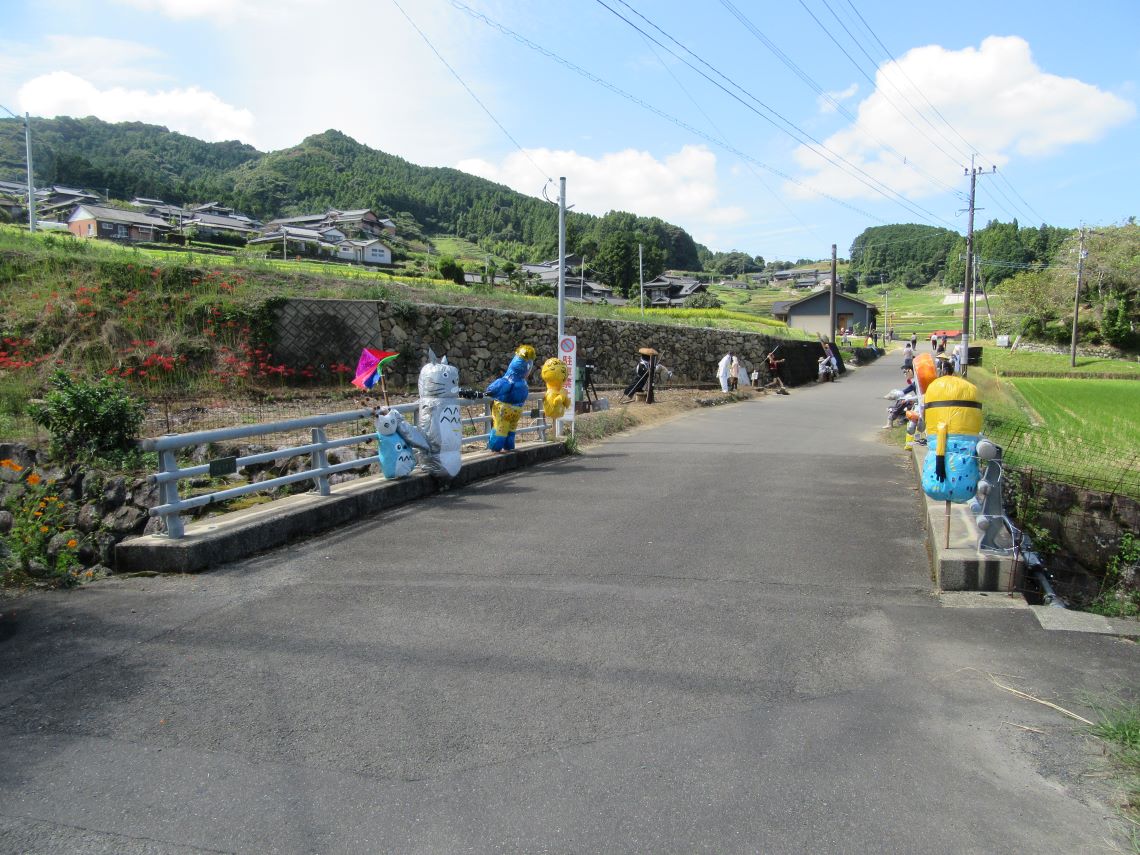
(794, 131)
(605, 84)
(819, 90)
(779, 199)
(902, 71)
(937, 112)
(1013, 190)
(897, 88)
(1013, 210)
(545, 175)
(953, 158)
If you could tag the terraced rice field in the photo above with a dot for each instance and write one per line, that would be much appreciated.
(1089, 431)
(1103, 411)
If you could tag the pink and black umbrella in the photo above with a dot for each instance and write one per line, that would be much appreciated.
(370, 369)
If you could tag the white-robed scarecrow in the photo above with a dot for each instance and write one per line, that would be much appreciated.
(722, 370)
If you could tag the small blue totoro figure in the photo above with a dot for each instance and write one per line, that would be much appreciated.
(396, 457)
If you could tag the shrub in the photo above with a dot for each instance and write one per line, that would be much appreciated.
(703, 300)
(42, 543)
(89, 417)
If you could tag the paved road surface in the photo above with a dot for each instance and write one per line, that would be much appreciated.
(713, 635)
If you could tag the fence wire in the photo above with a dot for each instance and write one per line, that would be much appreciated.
(1066, 459)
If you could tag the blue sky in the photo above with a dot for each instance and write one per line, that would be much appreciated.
(694, 118)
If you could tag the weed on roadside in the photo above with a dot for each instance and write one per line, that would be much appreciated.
(1118, 726)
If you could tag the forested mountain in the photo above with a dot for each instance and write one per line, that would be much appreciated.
(325, 170)
(123, 160)
(910, 253)
(916, 255)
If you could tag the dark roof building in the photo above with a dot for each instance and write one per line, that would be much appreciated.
(813, 312)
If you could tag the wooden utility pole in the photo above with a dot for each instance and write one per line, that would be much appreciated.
(1077, 299)
(831, 300)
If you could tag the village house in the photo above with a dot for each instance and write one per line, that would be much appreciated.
(324, 240)
(94, 221)
(669, 290)
(813, 312)
(361, 224)
(578, 288)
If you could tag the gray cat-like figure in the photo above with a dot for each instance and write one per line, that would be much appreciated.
(440, 418)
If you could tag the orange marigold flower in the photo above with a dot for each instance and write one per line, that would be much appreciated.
(34, 479)
(71, 544)
(44, 528)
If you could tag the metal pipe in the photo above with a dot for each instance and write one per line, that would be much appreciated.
(1050, 596)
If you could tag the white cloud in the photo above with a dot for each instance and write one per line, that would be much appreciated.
(681, 188)
(366, 73)
(995, 96)
(191, 110)
(828, 100)
(215, 11)
(99, 60)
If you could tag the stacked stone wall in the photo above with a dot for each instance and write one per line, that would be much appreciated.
(481, 341)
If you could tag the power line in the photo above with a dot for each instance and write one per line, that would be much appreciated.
(871, 80)
(819, 90)
(546, 177)
(937, 112)
(1013, 210)
(779, 199)
(791, 130)
(859, 44)
(605, 84)
(1019, 196)
(902, 71)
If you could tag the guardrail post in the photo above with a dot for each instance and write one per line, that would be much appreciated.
(321, 461)
(168, 494)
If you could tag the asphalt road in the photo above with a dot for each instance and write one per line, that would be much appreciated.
(715, 635)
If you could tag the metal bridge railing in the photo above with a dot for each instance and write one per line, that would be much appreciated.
(170, 473)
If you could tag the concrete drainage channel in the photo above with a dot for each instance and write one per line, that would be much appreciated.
(965, 577)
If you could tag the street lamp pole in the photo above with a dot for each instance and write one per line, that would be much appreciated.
(28, 153)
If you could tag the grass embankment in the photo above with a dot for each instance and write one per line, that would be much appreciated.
(196, 322)
(1119, 728)
(920, 310)
(1020, 363)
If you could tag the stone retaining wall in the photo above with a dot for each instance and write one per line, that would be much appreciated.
(1103, 351)
(1086, 527)
(481, 341)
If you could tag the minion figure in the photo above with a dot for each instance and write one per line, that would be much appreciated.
(954, 414)
(509, 393)
(556, 400)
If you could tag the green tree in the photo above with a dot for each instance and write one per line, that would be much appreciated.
(450, 269)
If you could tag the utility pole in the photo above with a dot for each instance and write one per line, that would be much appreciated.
(1077, 299)
(641, 280)
(974, 297)
(561, 257)
(973, 172)
(31, 174)
(31, 182)
(831, 295)
(886, 308)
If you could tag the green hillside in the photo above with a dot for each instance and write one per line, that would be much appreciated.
(325, 170)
